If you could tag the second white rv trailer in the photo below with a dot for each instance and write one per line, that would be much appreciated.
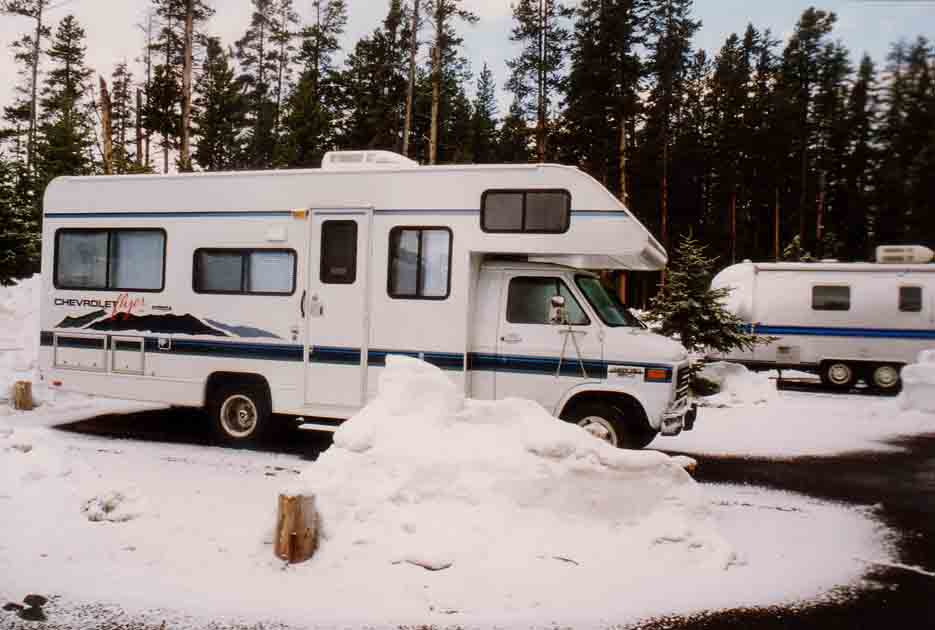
(844, 321)
(284, 292)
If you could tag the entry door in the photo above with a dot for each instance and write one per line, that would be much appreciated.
(336, 307)
(538, 359)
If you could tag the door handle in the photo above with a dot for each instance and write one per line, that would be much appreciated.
(302, 304)
(511, 338)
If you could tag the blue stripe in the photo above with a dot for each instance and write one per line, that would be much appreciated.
(864, 333)
(170, 215)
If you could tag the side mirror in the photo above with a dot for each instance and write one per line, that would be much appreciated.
(557, 313)
(558, 301)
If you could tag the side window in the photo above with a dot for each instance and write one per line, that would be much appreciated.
(420, 263)
(339, 252)
(831, 298)
(526, 211)
(529, 301)
(910, 299)
(244, 271)
(110, 260)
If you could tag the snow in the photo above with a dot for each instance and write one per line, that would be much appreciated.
(518, 517)
(919, 384)
(739, 387)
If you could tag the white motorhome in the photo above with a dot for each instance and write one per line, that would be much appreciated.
(283, 292)
(844, 321)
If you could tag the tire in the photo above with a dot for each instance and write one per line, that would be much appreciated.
(240, 413)
(838, 374)
(623, 426)
(884, 377)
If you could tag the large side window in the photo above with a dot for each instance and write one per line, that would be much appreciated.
(420, 263)
(529, 301)
(831, 298)
(110, 259)
(339, 252)
(245, 271)
(910, 299)
(526, 211)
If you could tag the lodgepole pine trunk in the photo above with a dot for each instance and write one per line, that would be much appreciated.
(296, 528)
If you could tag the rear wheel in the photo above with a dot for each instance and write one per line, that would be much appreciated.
(240, 413)
(838, 374)
(623, 426)
(885, 378)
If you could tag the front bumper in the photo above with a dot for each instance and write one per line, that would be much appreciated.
(679, 417)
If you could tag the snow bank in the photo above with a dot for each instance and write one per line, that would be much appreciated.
(424, 476)
(738, 386)
(19, 332)
(919, 384)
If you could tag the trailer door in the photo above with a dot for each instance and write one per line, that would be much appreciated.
(336, 307)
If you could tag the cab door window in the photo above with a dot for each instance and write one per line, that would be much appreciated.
(529, 301)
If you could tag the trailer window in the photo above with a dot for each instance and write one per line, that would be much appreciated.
(526, 211)
(910, 299)
(529, 301)
(245, 271)
(110, 259)
(420, 263)
(339, 252)
(831, 298)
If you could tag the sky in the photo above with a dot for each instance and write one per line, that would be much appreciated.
(863, 26)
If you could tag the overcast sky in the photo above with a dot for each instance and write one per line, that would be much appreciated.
(864, 26)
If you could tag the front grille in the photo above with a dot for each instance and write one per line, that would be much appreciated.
(682, 382)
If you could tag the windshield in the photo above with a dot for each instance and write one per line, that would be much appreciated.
(608, 308)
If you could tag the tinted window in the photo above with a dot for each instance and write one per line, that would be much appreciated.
(534, 211)
(530, 302)
(112, 260)
(831, 298)
(339, 252)
(260, 271)
(910, 299)
(420, 263)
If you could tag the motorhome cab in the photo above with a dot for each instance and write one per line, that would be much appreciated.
(284, 291)
(845, 321)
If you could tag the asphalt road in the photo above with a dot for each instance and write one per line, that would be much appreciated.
(901, 485)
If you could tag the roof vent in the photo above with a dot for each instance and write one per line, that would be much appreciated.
(904, 254)
(360, 160)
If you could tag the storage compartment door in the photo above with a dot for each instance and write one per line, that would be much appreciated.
(76, 351)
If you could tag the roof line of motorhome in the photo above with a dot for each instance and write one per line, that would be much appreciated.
(856, 267)
(319, 172)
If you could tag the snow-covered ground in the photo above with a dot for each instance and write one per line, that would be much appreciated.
(530, 521)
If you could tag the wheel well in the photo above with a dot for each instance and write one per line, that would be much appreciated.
(626, 402)
(220, 379)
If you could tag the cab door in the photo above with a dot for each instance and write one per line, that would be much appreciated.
(337, 309)
(538, 357)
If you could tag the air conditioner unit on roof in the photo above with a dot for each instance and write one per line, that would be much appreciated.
(904, 254)
(357, 160)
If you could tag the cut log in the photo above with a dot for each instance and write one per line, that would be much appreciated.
(296, 528)
(22, 396)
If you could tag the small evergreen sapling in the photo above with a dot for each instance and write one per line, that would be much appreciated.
(689, 309)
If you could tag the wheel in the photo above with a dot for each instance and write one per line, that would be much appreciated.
(885, 378)
(240, 413)
(838, 374)
(618, 425)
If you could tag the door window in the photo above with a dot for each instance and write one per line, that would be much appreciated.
(339, 252)
(910, 299)
(529, 301)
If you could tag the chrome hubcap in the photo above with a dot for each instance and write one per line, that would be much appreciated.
(885, 376)
(839, 374)
(599, 428)
(238, 416)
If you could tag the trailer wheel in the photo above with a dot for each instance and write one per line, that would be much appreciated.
(885, 378)
(240, 413)
(623, 428)
(838, 374)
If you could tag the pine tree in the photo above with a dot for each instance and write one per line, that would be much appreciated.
(310, 125)
(861, 157)
(536, 74)
(122, 119)
(220, 112)
(484, 121)
(513, 141)
(375, 80)
(65, 130)
(690, 310)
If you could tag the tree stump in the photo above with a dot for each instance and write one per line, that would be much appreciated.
(296, 528)
(22, 396)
